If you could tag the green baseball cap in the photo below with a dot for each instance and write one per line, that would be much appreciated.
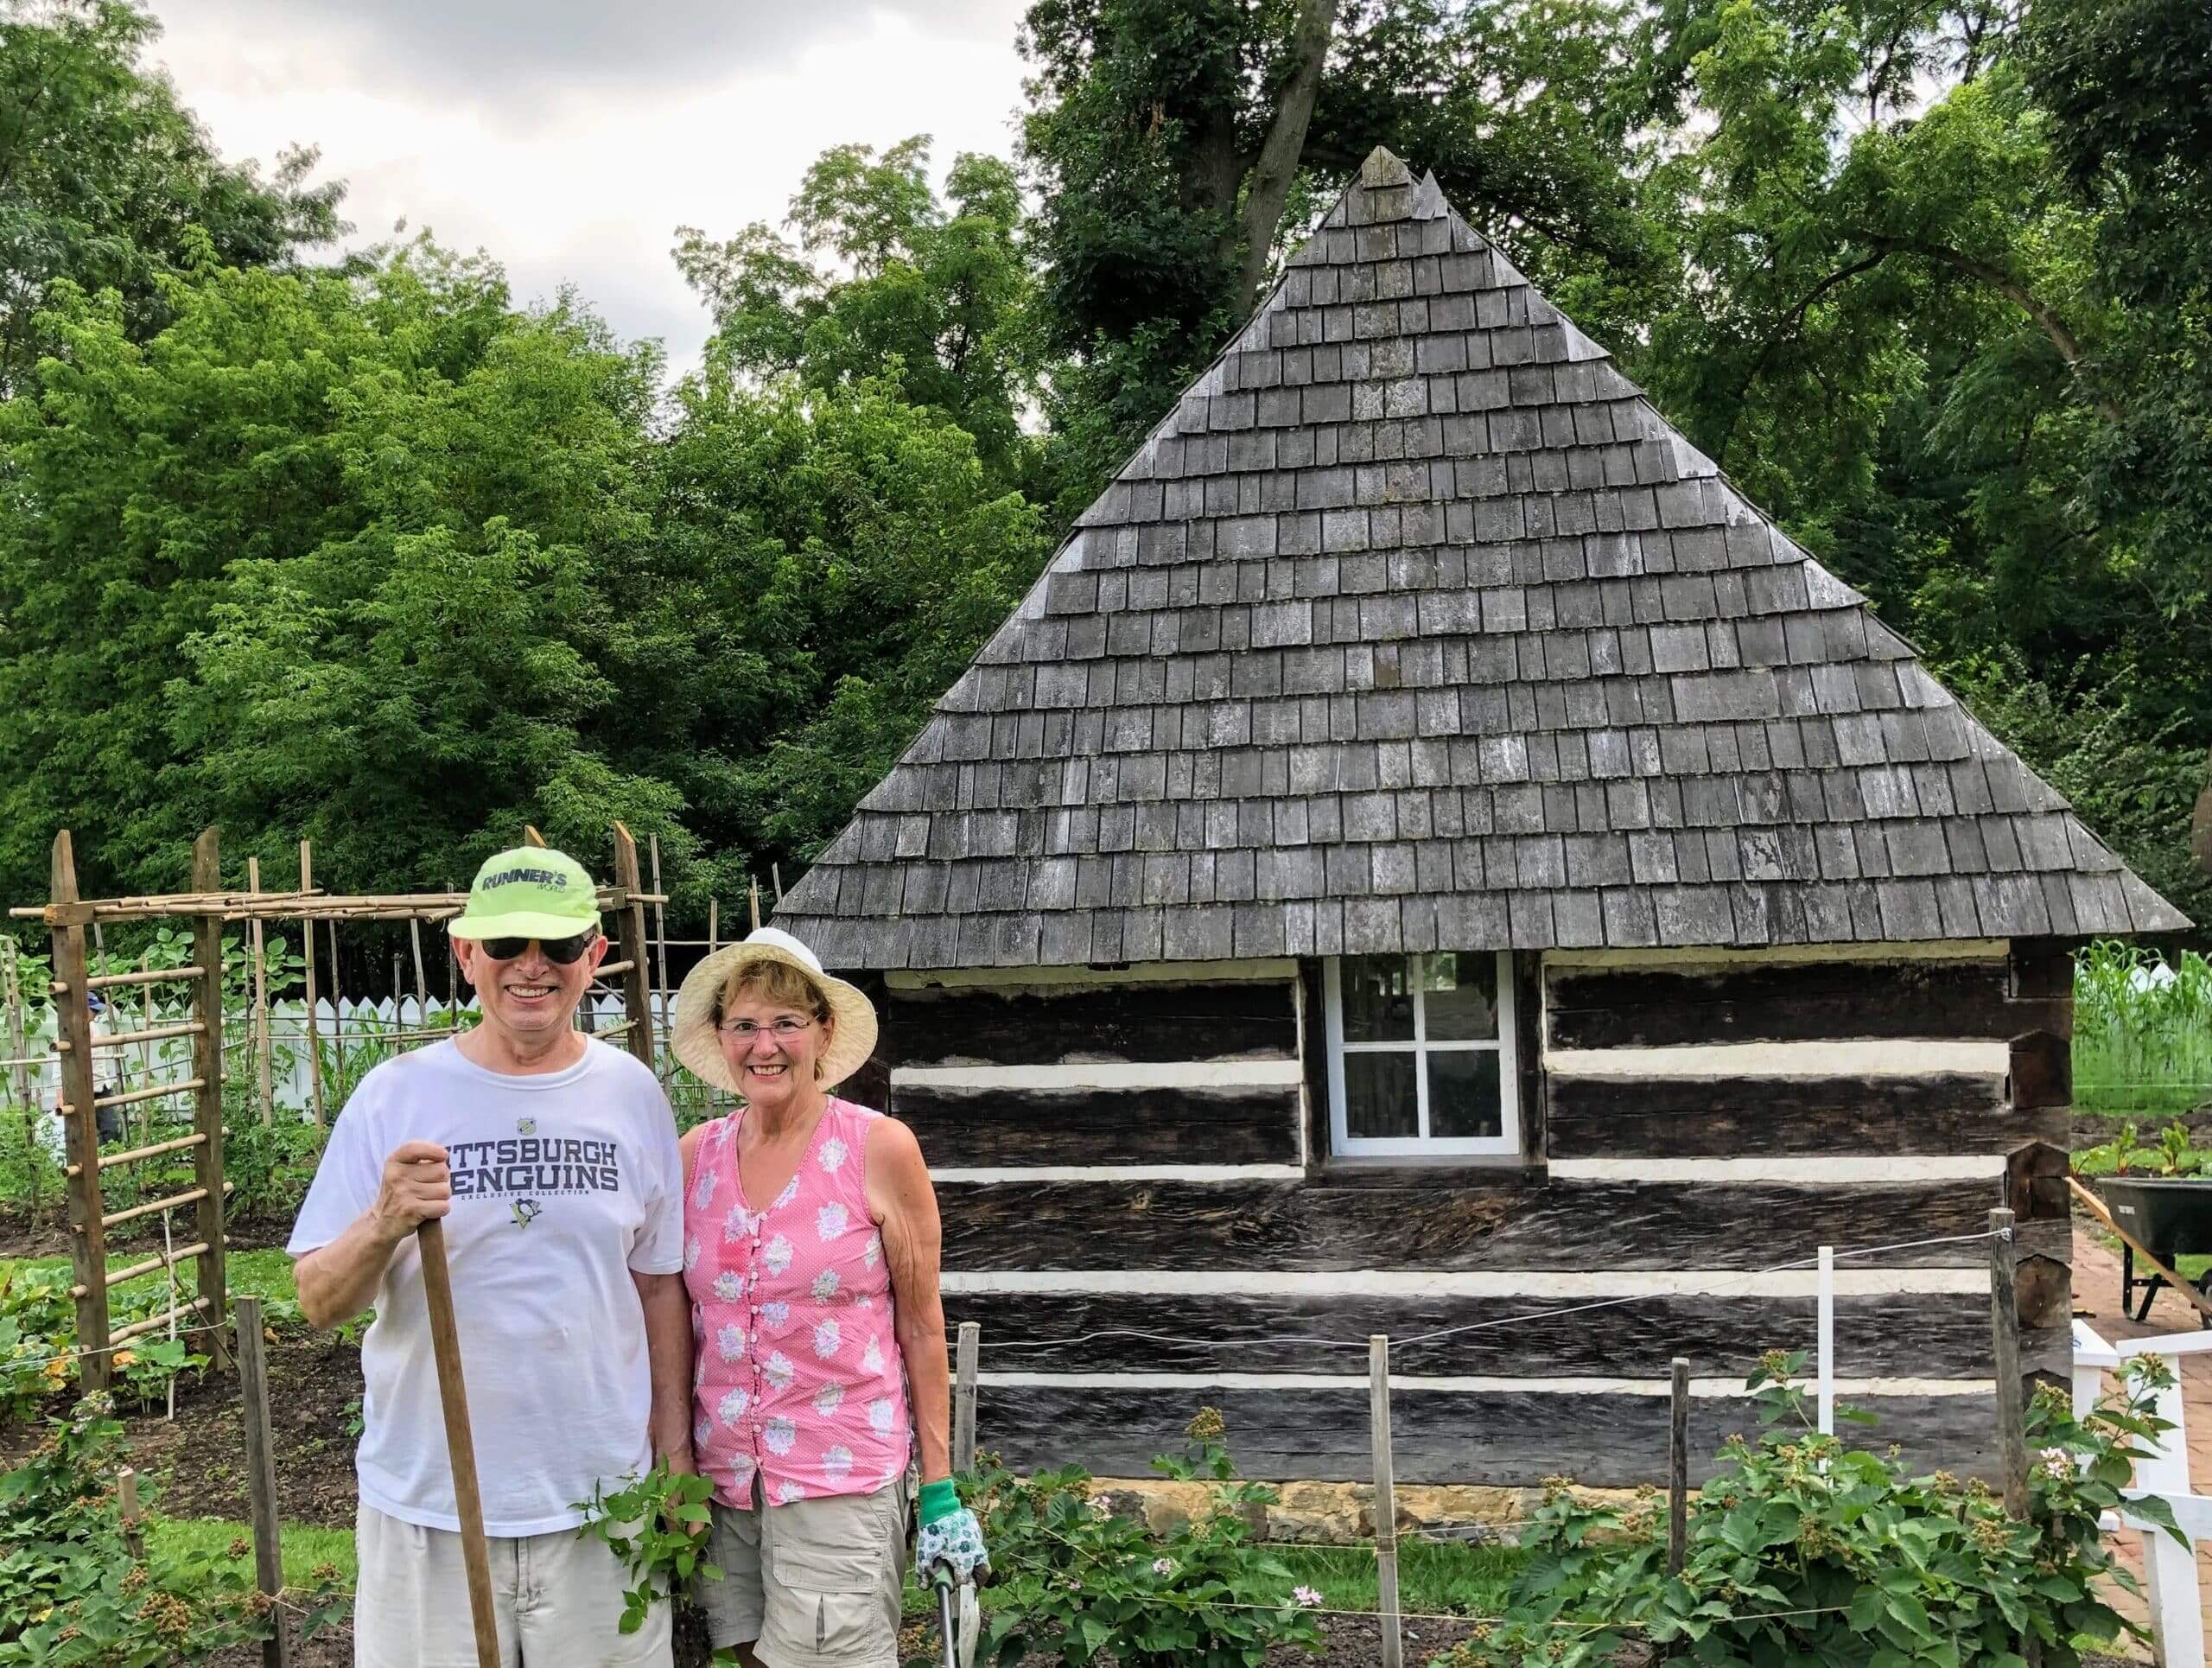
(530, 892)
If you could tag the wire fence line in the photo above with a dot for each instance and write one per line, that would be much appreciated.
(1718, 1289)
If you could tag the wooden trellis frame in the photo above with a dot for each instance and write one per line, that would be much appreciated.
(69, 918)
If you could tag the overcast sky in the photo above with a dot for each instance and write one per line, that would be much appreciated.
(569, 138)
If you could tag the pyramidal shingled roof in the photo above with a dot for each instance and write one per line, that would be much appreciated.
(1412, 627)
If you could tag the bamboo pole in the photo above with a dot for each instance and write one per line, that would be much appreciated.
(146, 1023)
(753, 888)
(461, 1446)
(12, 986)
(629, 935)
(421, 983)
(207, 1099)
(776, 873)
(337, 1010)
(73, 1039)
(659, 997)
(263, 1059)
(315, 1029)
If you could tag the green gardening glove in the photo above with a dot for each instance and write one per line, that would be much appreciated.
(949, 1536)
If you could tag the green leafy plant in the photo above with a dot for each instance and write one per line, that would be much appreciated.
(71, 1592)
(2172, 1158)
(37, 1328)
(1080, 1582)
(656, 1526)
(1802, 1550)
(2142, 1029)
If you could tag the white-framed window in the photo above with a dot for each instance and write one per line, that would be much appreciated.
(1421, 1054)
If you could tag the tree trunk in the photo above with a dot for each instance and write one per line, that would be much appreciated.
(1285, 144)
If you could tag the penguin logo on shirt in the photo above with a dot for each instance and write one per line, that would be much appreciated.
(526, 1126)
(526, 1211)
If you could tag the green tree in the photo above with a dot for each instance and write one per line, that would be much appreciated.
(107, 181)
(886, 280)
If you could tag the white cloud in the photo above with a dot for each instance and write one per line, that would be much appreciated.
(573, 160)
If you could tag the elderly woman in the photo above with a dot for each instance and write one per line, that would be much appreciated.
(810, 1252)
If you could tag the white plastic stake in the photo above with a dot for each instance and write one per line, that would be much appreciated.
(1827, 1342)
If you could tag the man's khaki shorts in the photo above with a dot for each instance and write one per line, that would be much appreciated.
(816, 1582)
(558, 1598)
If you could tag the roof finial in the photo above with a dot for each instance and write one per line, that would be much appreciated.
(1382, 168)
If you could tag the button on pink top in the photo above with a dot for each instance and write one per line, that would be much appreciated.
(798, 1377)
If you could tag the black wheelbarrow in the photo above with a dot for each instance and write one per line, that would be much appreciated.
(2169, 1217)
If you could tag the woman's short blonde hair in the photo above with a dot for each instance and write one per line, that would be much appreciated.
(777, 982)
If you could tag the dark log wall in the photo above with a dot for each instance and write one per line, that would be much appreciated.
(1140, 1209)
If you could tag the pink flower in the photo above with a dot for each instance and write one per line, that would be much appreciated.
(1305, 1597)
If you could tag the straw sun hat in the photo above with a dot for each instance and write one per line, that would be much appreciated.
(697, 1005)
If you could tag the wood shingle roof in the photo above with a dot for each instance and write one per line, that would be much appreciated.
(1413, 626)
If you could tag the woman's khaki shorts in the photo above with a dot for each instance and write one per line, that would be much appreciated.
(816, 1582)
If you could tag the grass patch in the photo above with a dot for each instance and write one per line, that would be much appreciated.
(1435, 1577)
(305, 1548)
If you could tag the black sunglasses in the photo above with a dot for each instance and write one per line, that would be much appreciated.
(560, 951)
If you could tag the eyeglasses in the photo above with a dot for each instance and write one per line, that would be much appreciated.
(561, 953)
(744, 1030)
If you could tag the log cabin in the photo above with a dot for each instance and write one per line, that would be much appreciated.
(1427, 854)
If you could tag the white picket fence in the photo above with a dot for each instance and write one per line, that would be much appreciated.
(2168, 1569)
(357, 1034)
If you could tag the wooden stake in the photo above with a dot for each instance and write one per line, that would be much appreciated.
(262, 1054)
(714, 931)
(630, 946)
(80, 1129)
(775, 874)
(1386, 1499)
(531, 837)
(2005, 1331)
(261, 1472)
(314, 1031)
(460, 1445)
(753, 888)
(207, 1099)
(422, 984)
(1678, 1465)
(126, 1511)
(963, 1396)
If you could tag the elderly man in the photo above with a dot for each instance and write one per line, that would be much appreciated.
(552, 1160)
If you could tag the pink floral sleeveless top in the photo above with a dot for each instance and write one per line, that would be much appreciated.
(798, 1378)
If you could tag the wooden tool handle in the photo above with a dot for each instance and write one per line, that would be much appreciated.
(461, 1446)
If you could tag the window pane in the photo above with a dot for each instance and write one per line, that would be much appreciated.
(1379, 1095)
(1461, 992)
(1463, 1098)
(1378, 1004)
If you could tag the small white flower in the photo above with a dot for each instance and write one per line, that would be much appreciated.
(779, 1371)
(729, 1342)
(780, 1434)
(829, 1398)
(825, 1338)
(879, 1415)
(732, 1407)
(833, 1154)
(738, 1222)
(776, 1256)
(830, 1221)
(787, 1492)
(837, 1463)
(702, 1190)
(825, 1285)
(1306, 1597)
(1100, 1505)
(690, 1255)
(776, 1314)
(871, 1357)
(790, 1192)
(872, 1250)
(1163, 1566)
(729, 1285)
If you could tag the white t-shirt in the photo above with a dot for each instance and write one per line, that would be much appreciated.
(564, 1184)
